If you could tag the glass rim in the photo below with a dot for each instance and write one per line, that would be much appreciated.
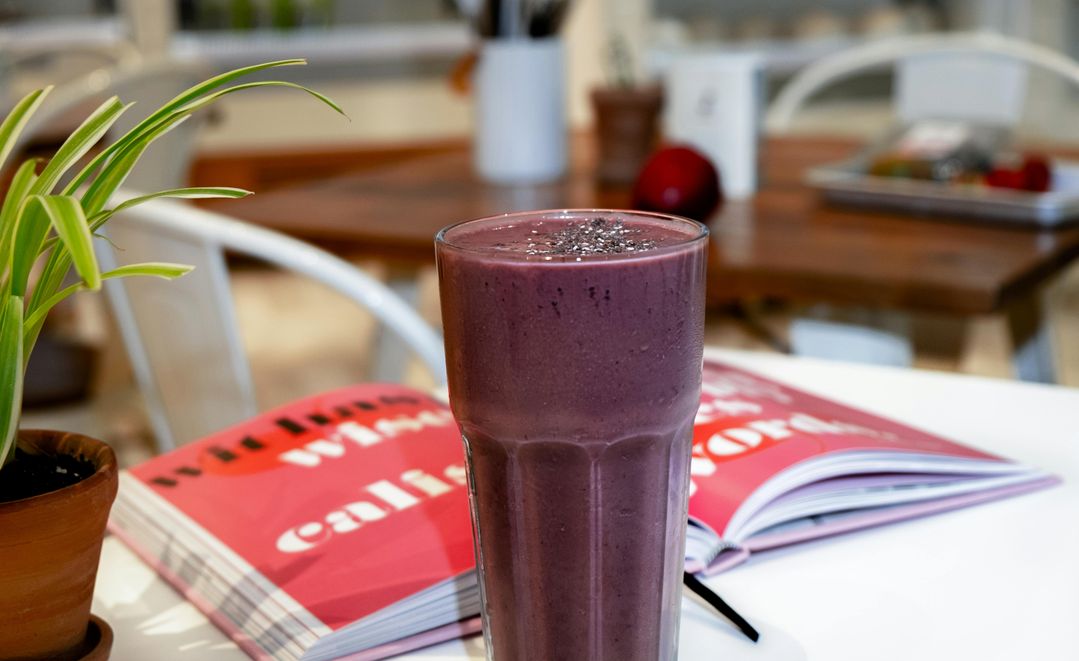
(701, 234)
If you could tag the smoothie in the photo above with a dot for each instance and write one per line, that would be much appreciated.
(574, 344)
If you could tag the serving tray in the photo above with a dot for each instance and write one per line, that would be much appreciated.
(846, 182)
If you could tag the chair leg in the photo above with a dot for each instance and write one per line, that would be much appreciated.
(1033, 358)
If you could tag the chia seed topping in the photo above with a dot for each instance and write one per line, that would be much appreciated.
(600, 236)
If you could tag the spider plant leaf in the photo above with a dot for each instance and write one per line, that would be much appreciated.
(165, 270)
(12, 126)
(67, 218)
(48, 282)
(138, 142)
(38, 314)
(192, 193)
(210, 98)
(13, 200)
(116, 169)
(146, 126)
(206, 86)
(11, 347)
(65, 215)
(106, 172)
(113, 174)
(31, 226)
(52, 276)
(50, 279)
(78, 143)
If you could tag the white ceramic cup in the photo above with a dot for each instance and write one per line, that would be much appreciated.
(520, 111)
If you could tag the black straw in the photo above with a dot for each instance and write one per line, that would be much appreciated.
(704, 592)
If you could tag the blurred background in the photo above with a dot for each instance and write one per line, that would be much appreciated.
(796, 271)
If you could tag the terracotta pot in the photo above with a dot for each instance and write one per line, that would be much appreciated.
(49, 551)
(627, 128)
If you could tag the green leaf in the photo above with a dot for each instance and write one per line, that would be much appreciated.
(148, 125)
(13, 201)
(31, 226)
(66, 215)
(12, 126)
(37, 316)
(210, 84)
(52, 274)
(116, 169)
(11, 348)
(210, 98)
(115, 172)
(193, 193)
(78, 143)
(165, 270)
(107, 171)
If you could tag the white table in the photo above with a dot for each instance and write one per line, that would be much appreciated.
(998, 581)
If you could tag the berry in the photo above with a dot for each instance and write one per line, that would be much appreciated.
(678, 181)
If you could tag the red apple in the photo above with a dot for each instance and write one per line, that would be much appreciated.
(679, 181)
(1037, 175)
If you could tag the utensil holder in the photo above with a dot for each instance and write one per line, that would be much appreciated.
(520, 111)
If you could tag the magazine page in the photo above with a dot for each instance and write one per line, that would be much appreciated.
(750, 428)
(348, 501)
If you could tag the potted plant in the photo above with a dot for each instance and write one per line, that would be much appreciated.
(56, 488)
(627, 118)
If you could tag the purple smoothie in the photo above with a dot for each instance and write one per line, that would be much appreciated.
(575, 377)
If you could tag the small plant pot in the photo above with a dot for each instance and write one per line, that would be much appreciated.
(50, 545)
(627, 128)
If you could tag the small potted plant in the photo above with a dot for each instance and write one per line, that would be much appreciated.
(56, 488)
(627, 118)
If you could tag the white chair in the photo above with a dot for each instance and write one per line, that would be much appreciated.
(980, 76)
(182, 336)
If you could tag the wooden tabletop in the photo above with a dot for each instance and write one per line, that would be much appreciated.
(785, 242)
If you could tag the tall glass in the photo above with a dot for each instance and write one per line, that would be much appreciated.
(574, 345)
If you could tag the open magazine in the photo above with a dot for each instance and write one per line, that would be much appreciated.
(338, 525)
(773, 465)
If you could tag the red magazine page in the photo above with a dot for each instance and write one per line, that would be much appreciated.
(749, 428)
(365, 482)
(353, 500)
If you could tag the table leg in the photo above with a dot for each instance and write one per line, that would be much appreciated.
(878, 337)
(1033, 358)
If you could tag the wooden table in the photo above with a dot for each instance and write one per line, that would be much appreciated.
(785, 243)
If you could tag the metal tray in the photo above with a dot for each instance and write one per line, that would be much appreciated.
(847, 183)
